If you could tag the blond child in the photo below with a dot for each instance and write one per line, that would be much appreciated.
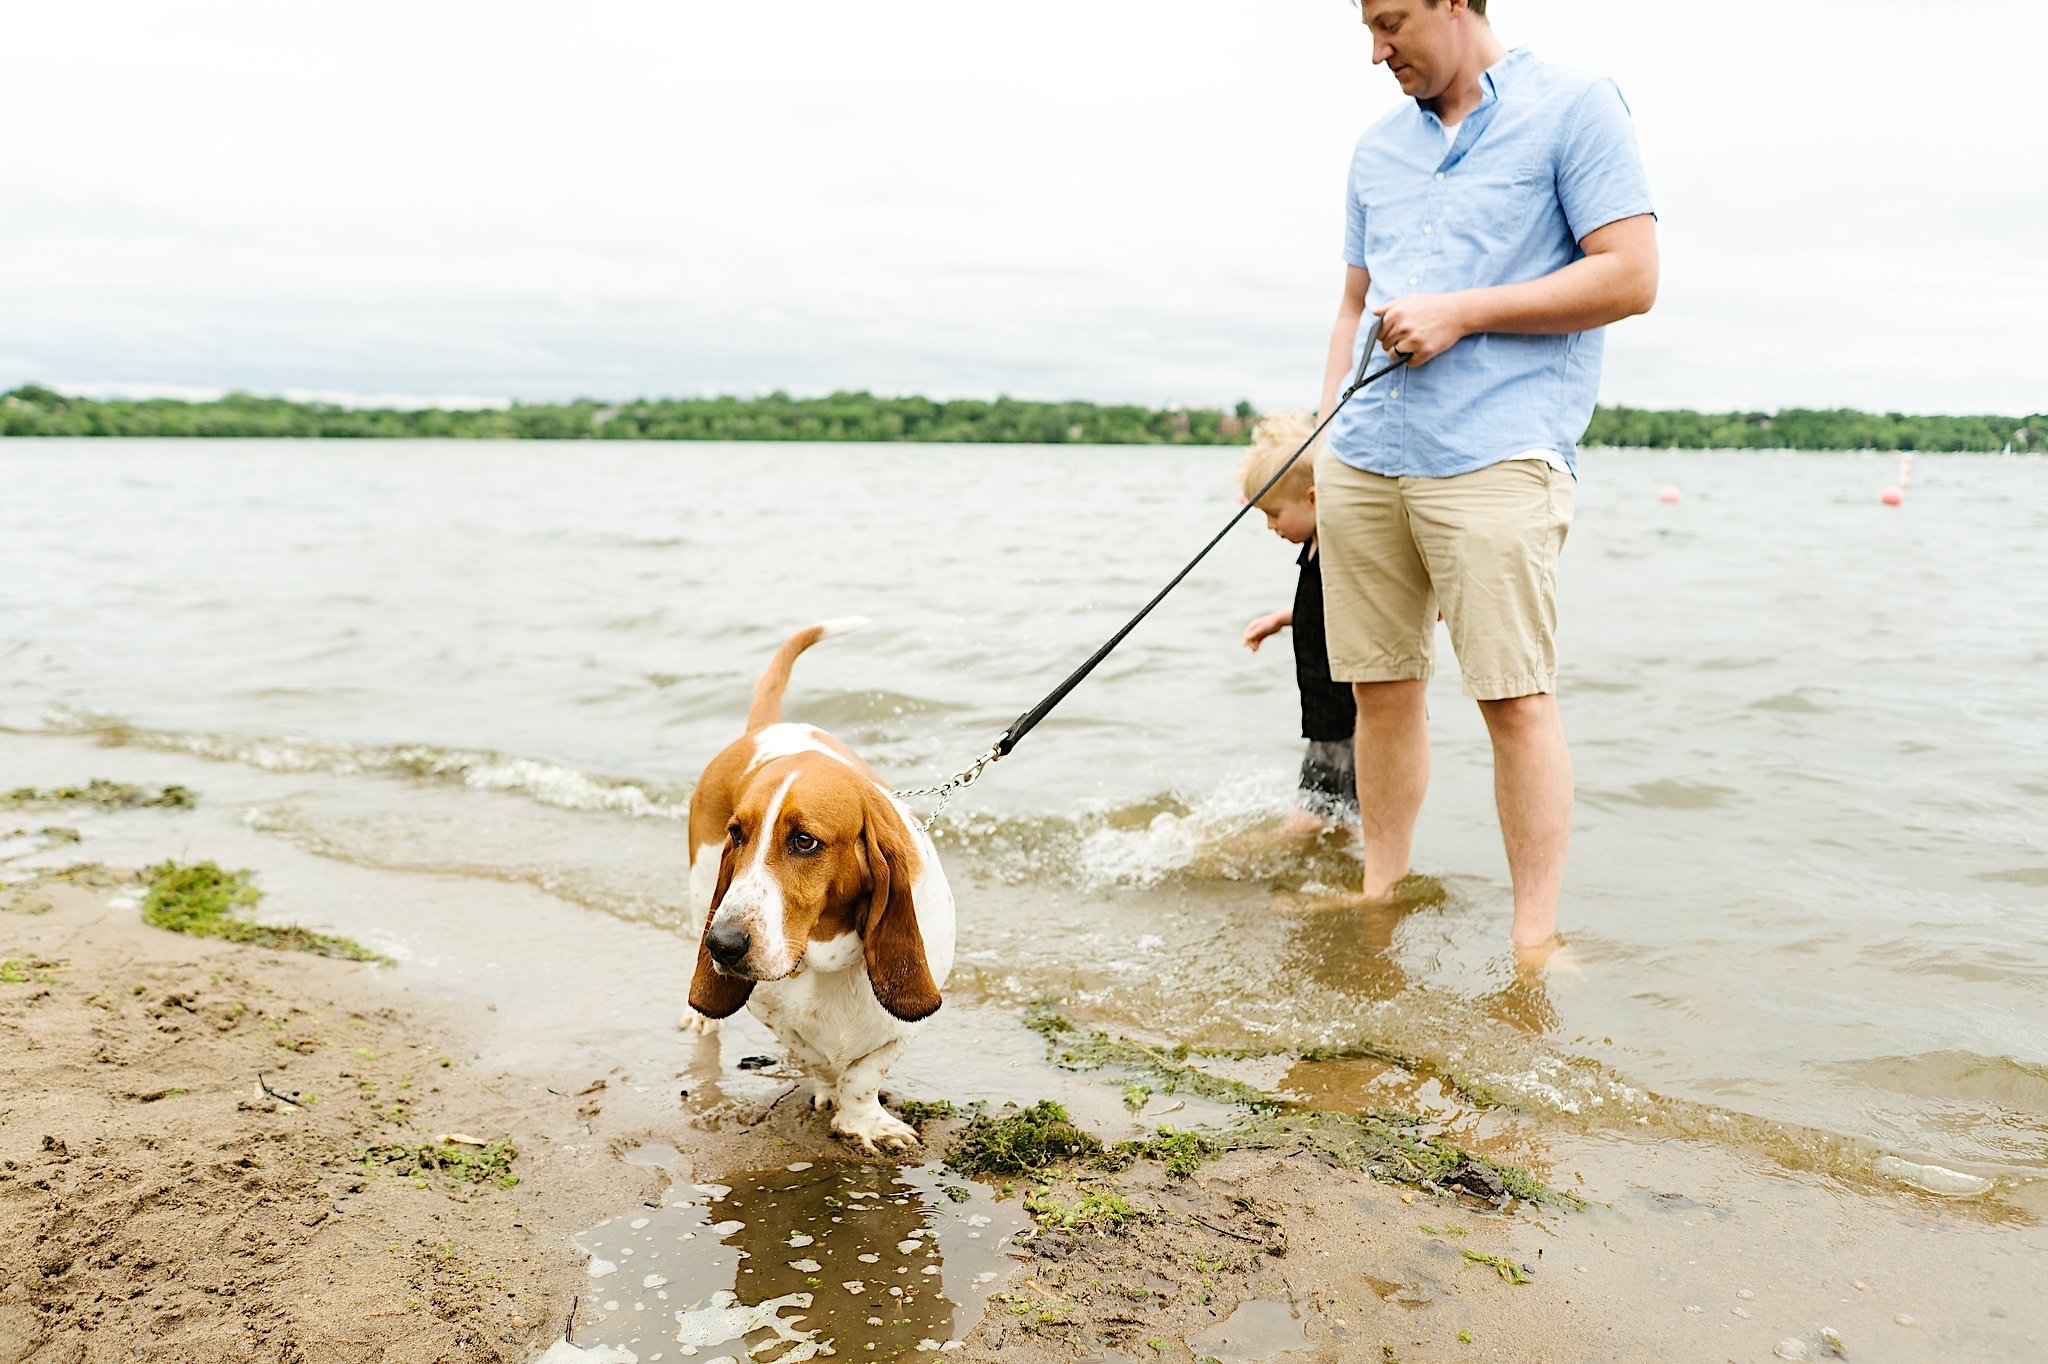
(1329, 783)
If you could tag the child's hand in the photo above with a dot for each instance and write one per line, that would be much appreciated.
(1262, 629)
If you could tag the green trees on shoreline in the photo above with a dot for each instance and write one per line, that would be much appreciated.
(35, 411)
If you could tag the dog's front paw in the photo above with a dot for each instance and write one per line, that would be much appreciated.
(872, 1130)
(697, 1025)
(823, 1100)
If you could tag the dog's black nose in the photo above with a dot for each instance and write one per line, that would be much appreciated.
(728, 943)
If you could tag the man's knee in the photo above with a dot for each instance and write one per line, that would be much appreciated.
(1387, 699)
(1521, 716)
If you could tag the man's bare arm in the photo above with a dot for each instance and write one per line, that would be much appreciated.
(1616, 278)
(1343, 335)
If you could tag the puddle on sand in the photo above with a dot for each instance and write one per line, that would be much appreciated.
(1258, 1332)
(872, 1261)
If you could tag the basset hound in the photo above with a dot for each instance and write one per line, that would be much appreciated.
(818, 903)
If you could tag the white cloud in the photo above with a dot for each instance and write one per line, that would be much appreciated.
(1109, 200)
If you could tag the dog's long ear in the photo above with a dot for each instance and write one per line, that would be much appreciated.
(890, 940)
(713, 993)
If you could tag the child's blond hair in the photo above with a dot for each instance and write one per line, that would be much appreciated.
(1273, 440)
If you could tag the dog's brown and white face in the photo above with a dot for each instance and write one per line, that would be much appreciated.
(816, 861)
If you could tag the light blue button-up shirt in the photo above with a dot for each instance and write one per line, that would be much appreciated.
(1548, 157)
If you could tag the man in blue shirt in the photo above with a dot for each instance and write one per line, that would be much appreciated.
(1496, 221)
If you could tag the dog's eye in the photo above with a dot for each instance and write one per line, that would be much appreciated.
(802, 844)
(735, 833)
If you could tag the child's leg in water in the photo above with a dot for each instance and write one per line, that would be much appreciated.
(1328, 791)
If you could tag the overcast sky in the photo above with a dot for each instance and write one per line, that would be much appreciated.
(1101, 199)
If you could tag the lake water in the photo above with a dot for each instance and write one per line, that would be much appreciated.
(1807, 905)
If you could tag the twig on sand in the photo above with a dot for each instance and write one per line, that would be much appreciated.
(756, 1122)
(281, 1098)
(1226, 1231)
(569, 1326)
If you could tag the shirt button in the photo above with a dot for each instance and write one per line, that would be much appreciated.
(1415, 279)
(1439, 175)
(1395, 394)
(1428, 228)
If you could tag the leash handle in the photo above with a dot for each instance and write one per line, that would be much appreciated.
(1028, 721)
(1372, 338)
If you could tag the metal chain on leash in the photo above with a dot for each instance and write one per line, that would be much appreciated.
(966, 776)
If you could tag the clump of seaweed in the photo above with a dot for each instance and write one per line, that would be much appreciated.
(1021, 1143)
(95, 874)
(918, 1112)
(1396, 1147)
(1508, 1270)
(201, 899)
(462, 1164)
(29, 971)
(1386, 1143)
(1167, 1070)
(1097, 1210)
(1182, 1153)
(1465, 1087)
(107, 795)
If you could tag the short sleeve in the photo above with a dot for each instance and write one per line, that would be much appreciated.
(1600, 176)
(1354, 219)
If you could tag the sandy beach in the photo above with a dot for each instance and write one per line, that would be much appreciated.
(184, 1142)
(196, 1162)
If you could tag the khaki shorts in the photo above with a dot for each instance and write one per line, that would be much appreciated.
(1480, 547)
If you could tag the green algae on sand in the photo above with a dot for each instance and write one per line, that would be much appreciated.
(490, 1163)
(1388, 1144)
(107, 795)
(1022, 1143)
(201, 899)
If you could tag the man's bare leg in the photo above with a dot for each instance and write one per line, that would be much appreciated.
(1393, 773)
(1532, 785)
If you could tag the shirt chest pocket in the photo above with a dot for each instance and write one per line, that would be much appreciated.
(1440, 231)
(1487, 203)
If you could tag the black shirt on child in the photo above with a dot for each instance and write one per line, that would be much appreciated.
(1328, 711)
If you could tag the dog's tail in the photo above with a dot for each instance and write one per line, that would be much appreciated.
(768, 691)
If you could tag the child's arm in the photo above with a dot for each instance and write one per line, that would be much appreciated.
(1264, 627)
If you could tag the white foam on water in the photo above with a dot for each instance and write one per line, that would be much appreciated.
(1934, 1179)
(562, 1352)
(725, 1319)
(547, 783)
(1172, 843)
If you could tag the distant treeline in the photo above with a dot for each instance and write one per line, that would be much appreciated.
(35, 411)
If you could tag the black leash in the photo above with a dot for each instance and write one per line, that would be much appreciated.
(1028, 721)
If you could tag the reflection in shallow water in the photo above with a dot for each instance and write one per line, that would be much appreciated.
(1258, 1332)
(876, 1261)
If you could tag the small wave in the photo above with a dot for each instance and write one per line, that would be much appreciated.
(1228, 833)
(2016, 876)
(1934, 1179)
(842, 710)
(548, 783)
(1225, 834)
(1667, 794)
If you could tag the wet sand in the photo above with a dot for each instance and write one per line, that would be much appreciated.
(155, 1202)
